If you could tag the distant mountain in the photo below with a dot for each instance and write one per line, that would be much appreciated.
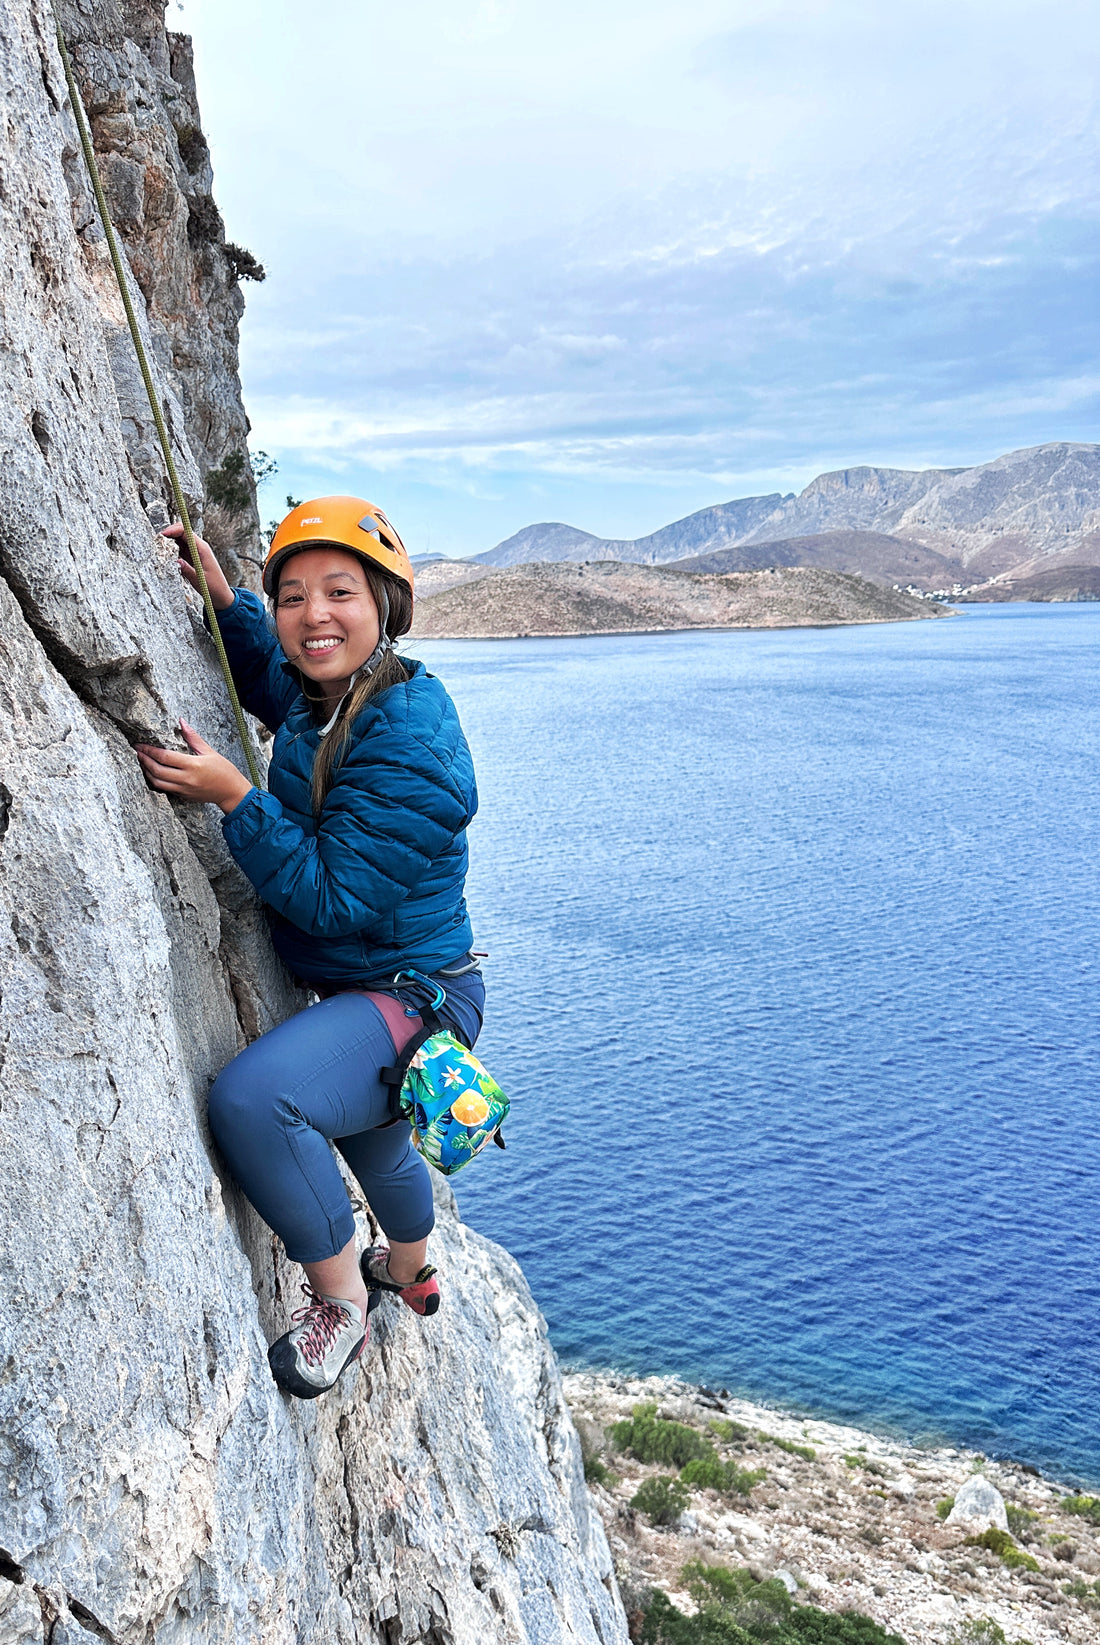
(986, 520)
(710, 528)
(548, 541)
(872, 554)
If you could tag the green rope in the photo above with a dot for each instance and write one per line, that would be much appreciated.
(154, 403)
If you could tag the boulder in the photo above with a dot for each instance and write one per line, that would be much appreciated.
(978, 1506)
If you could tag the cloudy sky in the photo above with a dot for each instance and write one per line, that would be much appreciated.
(610, 261)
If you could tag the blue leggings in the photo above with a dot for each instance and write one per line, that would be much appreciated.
(314, 1080)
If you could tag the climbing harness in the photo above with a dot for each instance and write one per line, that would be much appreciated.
(449, 1097)
(154, 403)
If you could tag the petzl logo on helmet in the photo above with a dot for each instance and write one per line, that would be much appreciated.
(314, 519)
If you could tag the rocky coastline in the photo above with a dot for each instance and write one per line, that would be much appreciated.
(847, 1520)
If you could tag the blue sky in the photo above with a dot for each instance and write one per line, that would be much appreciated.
(615, 261)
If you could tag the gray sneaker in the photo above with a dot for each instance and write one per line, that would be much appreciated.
(327, 1335)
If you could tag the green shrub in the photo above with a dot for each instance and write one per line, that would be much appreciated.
(663, 1499)
(944, 1506)
(227, 484)
(193, 147)
(204, 220)
(1020, 1520)
(794, 1450)
(1087, 1507)
(996, 1540)
(596, 1471)
(741, 1481)
(663, 1624)
(1000, 1543)
(727, 1431)
(736, 1610)
(1087, 1592)
(651, 1439)
(705, 1473)
(231, 485)
(858, 1459)
(980, 1631)
(245, 265)
(709, 1473)
(810, 1626)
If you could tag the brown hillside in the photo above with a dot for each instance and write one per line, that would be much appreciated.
(875, 555)
(1062, 584)
(607, 597)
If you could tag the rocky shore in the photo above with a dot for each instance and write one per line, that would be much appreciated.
(847, 1520)
(605, 597)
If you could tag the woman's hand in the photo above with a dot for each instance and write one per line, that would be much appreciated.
(203, 776)
(221, 595)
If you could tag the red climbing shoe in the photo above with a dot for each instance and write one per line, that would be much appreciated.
(421, 1294)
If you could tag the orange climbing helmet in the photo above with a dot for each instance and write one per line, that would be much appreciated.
(338, 522)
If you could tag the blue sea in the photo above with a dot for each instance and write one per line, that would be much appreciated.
(793, 982)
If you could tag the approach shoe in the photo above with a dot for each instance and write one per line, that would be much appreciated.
(421, 1294)
(327, 1335)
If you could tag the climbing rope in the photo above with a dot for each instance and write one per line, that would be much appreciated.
(154, 403)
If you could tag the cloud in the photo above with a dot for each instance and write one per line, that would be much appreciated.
(651, 249)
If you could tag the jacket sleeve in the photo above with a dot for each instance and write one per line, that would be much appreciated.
(393, 808)
(256, 659)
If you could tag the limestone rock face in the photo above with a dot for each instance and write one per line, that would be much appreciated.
(139, 89)
(978, 1506)
(158, 1489)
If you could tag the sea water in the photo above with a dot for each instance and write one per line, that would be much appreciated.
(793, 983)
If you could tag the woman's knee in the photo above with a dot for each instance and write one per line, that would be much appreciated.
(240, 1107)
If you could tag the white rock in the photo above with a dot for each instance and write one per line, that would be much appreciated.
(978, 1506)
(20, 1615)
(740, 1525)
(938, 1608)
(787, 1580)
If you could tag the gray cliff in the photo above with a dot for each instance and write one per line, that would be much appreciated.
(156, 1485)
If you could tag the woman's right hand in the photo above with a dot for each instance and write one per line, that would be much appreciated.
(221, 595)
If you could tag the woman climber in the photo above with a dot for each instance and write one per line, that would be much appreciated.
(358, 850)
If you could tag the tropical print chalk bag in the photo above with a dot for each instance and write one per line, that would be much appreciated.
(450, 1099)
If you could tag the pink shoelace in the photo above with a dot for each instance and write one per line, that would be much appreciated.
(326, 1322)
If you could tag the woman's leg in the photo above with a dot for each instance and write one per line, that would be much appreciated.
(398, 1189)
(273, 1111)
(339, 1276)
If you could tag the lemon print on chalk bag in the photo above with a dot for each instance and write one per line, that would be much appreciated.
(470, 1108)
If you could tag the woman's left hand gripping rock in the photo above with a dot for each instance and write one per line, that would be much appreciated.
(203, 775)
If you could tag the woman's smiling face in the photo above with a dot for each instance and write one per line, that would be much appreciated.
(326, 617)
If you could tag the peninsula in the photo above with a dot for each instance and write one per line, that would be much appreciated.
(608, 597)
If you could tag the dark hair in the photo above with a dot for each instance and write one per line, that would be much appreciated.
(385, 589)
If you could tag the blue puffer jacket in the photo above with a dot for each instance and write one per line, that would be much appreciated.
(374, 885)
